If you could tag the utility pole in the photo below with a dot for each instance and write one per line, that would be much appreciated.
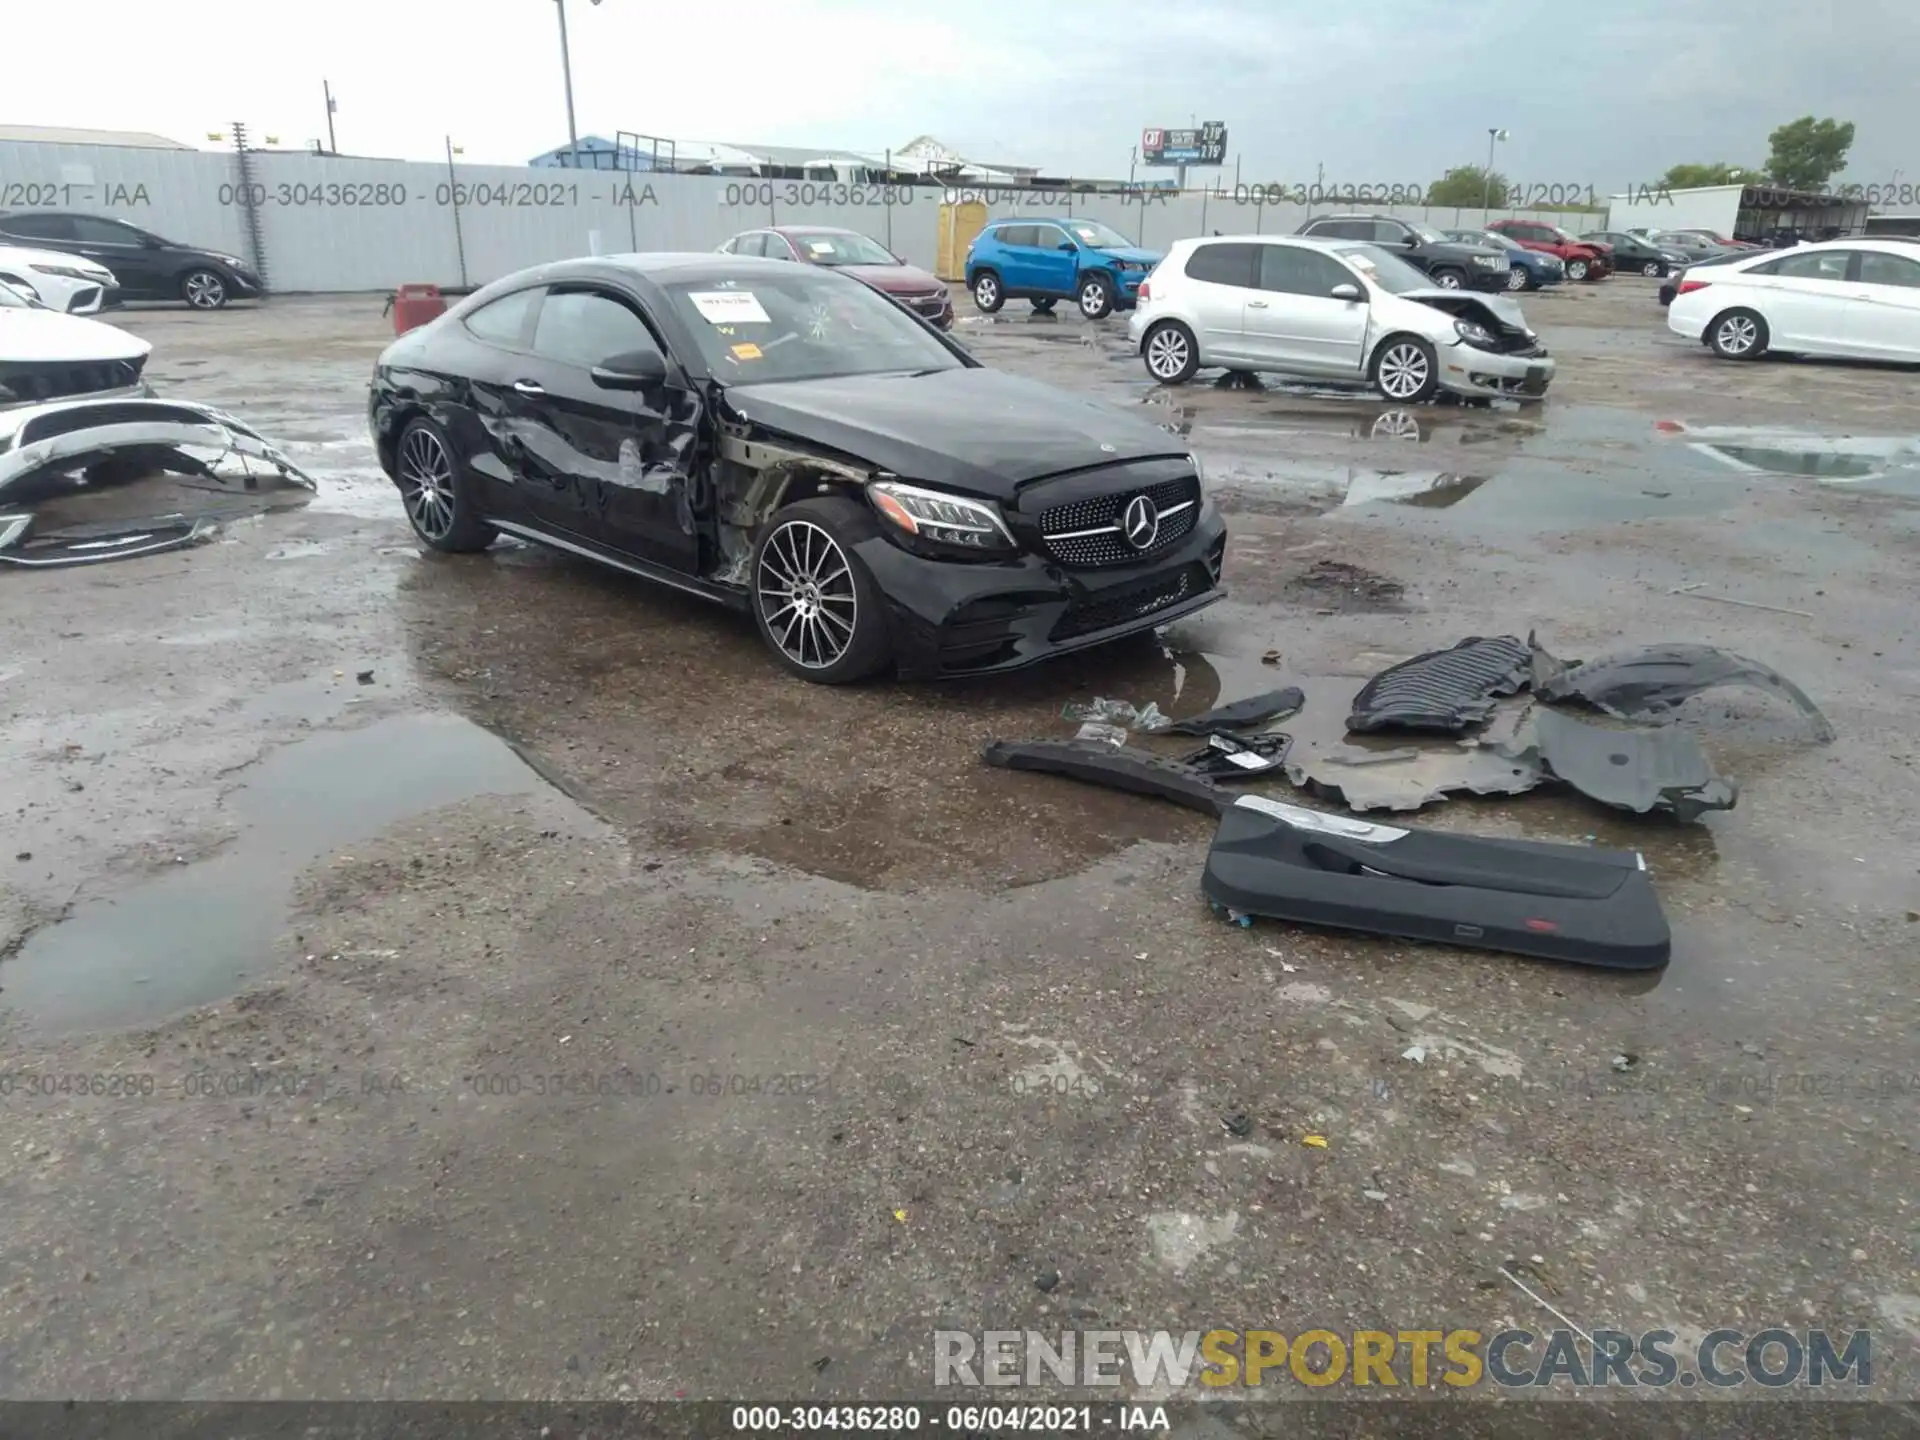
(1133, 158)
(326, 89)
(566, 74)
(1494, 133)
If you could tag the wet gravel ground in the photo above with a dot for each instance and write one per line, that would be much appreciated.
(587, 1010)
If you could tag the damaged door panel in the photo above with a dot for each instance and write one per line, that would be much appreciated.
(1649, 682)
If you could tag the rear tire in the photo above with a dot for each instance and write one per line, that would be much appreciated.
(435, 491)
(987, 292)
(815, 603)
(1406, 370)
(1171, 353)
(1737, 335)
(1043, 307)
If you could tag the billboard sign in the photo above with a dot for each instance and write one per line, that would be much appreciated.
(1205, 146)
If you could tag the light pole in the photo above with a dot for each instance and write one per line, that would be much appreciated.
(1494, 133)
(566, 73)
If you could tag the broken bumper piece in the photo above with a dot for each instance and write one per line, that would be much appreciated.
(19, 546)
(63, 436)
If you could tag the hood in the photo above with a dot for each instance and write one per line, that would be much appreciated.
(24, 255)
(894, 279)
(31, 336)
(1133, 253)
(978, 431)
(1496, 311)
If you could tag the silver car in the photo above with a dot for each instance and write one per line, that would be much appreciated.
(1342, 310)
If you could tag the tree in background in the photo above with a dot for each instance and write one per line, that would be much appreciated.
(1694, 177)
(1467, 187)
(1807, 153)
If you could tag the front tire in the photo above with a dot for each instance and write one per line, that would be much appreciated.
(1171, 353)
(437, 497)
(1576, 269)
(1449, 279)
(1737, 335)
(987, 293)
(816, 604)
(1519, 278)
(1095, 297)
(1406, 370)
(204, 289)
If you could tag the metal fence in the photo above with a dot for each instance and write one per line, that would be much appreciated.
(329, 223)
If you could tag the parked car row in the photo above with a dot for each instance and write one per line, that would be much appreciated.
(81, 264)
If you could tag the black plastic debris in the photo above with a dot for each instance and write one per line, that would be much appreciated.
(1047, 1281)
(1557, 902)
(1444, 691)
(1241, 714)
(1560, 902)
(1643, 770)
(1649, 682)
(1239, 1124)
(1225, 758)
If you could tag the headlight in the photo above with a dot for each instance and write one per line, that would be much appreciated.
(941, 518)
(1491, 262)
(65, 272)
(1474, 334)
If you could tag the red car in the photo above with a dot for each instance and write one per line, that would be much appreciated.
(858, 255)
(1584, 259)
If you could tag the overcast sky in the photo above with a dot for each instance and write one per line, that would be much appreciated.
(1387, 92)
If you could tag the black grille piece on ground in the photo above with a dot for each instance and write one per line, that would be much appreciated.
(1087, 533)
(1108, 610)
(1445, 691)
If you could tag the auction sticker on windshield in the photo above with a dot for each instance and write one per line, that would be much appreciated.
(728, 307)
(820, 247)
(746, 352)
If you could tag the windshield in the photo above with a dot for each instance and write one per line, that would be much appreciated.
(828, 248)
(1428, 235)
(803, 325)
(1385, 269)
(1565, 237)
(1100, 237)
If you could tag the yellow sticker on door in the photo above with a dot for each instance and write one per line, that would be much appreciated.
(746, 352)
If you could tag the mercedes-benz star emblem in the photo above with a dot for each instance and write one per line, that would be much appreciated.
(1108, 450)
(1140, 522)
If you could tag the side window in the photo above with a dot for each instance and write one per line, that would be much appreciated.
(754, 244)
(732, 247)
(1820, 265)
(1878, 269)
(504, 321)
(1048, 237)
(1296, 270)
(585, 327)
(779, 247)
(1223, 264)
(1388, 232)
(1016, 235)
(90, 231)
(38, 227)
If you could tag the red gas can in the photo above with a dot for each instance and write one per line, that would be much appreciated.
(415, 305)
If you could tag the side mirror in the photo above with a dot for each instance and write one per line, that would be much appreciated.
(1410, 241)
(635, 370)
(1067, 245)
(1345, 291)
(152, 242)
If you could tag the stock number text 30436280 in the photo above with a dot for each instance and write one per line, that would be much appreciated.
(1279, 193)
(821, 192)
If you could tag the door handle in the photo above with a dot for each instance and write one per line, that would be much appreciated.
(1256, 304)
(528, 387)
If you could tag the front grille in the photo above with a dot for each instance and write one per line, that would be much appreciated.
(29, 382)
(1086, 533)
(1142, 600)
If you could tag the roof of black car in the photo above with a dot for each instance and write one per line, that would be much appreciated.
(670, 265)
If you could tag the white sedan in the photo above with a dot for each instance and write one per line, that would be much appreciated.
(71, 284)
(1341, 310)
(1853, 299)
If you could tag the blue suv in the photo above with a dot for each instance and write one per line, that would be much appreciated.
(1050, 259)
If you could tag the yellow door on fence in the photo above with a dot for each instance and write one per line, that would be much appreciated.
(959, 224)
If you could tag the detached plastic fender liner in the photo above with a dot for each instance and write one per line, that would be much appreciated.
(1526, 897)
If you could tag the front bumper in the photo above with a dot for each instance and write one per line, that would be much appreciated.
(1485, 374)
(935, 309)
(111, 297)
(1480, 278)
(243, 286)
(954, 618)
(1127, 285)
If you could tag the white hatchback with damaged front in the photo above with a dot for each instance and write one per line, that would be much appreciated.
(1342, 310)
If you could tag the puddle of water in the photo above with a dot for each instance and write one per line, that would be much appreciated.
(200, 932)
(1888, 462)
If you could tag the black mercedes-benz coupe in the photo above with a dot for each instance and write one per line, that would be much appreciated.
(788, 441)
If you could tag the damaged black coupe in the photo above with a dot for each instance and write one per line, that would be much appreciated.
(788, 442)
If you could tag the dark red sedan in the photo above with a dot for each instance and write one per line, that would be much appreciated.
(858, 255)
